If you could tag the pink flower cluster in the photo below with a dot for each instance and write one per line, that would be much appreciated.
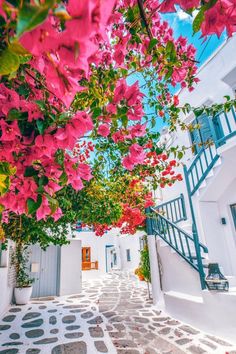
(219, 17)
(63, 56)
(36, 156)
(136, 156)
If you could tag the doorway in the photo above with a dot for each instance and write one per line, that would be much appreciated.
(86, 258)
(44, 268)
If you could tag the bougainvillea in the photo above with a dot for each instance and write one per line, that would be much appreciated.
(213, 16)
(67, 111)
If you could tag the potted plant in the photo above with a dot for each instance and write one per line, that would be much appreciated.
(138, 272)
(23, 288)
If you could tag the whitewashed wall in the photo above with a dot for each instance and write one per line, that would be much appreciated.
(111, 238)
(70, 268)
(6, 285)
(217, 79)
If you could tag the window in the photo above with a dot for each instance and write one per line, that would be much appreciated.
(86, 254)
(128, 255)
(200, 136)
(233, 211)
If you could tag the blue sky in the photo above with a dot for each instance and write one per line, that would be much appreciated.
(182, 25)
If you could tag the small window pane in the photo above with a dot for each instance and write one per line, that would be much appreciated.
(128, 255)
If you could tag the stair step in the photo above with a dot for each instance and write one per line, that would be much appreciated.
(184, 296)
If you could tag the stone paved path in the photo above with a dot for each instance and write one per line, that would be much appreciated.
(112, 315)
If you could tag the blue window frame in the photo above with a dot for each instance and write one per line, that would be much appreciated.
(128, 256)
(233, 211)
(200, 136)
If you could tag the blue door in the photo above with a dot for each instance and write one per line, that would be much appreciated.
(44, 267)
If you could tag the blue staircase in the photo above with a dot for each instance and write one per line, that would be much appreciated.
(173, 210)
(162, 220)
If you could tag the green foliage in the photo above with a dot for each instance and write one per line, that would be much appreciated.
(31, 16)
(9, 62)
(144, 266)
(28, 231)
(20, 260)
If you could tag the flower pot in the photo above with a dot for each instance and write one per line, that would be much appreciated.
(22, 295)
(141, 277)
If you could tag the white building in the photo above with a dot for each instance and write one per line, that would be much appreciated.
(111, 251)
(56, 271)
(60, 270)
(209, 187)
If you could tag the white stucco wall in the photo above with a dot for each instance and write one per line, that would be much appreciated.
(70, 268)
(98, 250)
(132, 243)
(5, 288)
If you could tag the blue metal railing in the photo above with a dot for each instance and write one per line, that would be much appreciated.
(178, 239)
(226, 127)
(174, 210)
(200, 167)
(223, 127)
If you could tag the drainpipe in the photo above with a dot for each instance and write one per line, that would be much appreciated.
(195, 232)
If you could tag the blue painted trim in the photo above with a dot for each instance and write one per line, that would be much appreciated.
(195, 232)
(178, 234)
(106, 247)
(177, 209)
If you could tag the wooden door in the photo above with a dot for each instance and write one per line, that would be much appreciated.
(86, 258)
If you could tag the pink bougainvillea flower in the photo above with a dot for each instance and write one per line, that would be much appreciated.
(111, 108)
(57, 215)
(128, 163)
(117, 137)
(137, 153)
(213, 23)
(138, 130)
(8, 99)
(2, 13)
(44, 210)
(133, 94)
(104, 130)
(188, 4)
(167, 6)
(52, 187)
(9, 131)
(46, 144)
(119, 91)
(76, 183)
(84, 171)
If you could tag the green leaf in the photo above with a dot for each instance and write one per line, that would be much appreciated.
(169, 73)
(63, 178)
(6, 169)
(152, 43)
(170, 50)
(9, 62)
(33, 206)
(198, 20)
(97, 112)
(30, 17)
(43, 181)
(40, 125)
(53, 203)
(14, 114)
(17, 48)
(30, 172)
